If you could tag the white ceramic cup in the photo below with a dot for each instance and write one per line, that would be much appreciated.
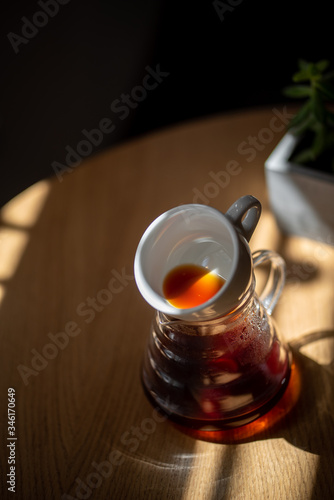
(200, 235)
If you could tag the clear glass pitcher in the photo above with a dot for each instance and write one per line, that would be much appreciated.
(221, 363)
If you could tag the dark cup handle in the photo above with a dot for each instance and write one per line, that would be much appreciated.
(244, 215)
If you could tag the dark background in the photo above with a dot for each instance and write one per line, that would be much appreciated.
(91, 52)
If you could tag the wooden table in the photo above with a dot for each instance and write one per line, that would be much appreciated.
(73, 328)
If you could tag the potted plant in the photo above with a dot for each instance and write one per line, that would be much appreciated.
(300, 170)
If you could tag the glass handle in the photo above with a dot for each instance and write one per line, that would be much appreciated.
(276, 278)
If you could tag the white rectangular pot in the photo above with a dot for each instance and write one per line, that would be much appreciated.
(302, 199)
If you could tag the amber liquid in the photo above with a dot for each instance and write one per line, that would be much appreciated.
(190, 285)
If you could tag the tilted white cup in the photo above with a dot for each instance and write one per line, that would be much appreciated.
(200, 235)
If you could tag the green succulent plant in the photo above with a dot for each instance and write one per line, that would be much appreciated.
(315, 119)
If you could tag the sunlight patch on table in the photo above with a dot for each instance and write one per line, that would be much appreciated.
(17, 217)
(12, 245)
(266, 234)
(206, 472)
(2, 293)
(25, 208)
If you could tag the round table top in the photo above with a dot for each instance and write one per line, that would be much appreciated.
(71, 352)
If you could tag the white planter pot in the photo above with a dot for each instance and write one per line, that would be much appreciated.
(302, 199)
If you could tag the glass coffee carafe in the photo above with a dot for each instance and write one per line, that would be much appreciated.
(220, 363)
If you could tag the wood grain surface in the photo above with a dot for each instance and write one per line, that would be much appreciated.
(73, 328)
